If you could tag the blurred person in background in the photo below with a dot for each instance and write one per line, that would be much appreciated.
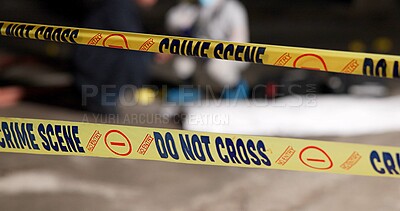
(211, 19)
(26, 65)
(102, 72)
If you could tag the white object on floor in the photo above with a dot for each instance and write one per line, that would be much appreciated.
(39, 182)
(298, 116)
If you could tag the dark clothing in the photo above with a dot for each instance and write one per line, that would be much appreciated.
(99, 66)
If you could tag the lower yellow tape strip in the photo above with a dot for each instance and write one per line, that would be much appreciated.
(48, 137)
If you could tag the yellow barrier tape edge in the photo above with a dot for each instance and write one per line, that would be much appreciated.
(64, 138)
(378, 65)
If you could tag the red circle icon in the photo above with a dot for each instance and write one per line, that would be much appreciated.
(310, 61)
(118, 41)
(118, 146)
(315, 158)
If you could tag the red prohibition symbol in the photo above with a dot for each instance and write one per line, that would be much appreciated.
(310, 56)
(320, 159)
(121, 148)
(120, 38)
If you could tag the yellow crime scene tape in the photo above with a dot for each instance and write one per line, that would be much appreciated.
(48, 137)
(378, 65)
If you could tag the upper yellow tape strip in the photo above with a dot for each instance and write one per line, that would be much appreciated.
(50, 137)
(378, 65)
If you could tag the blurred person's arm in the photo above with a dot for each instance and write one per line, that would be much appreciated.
(180, 21)
(181, 18)
(239, 23)
(10, 96)
(229, 72)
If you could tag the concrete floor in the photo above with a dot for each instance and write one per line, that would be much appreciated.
(31, 182)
